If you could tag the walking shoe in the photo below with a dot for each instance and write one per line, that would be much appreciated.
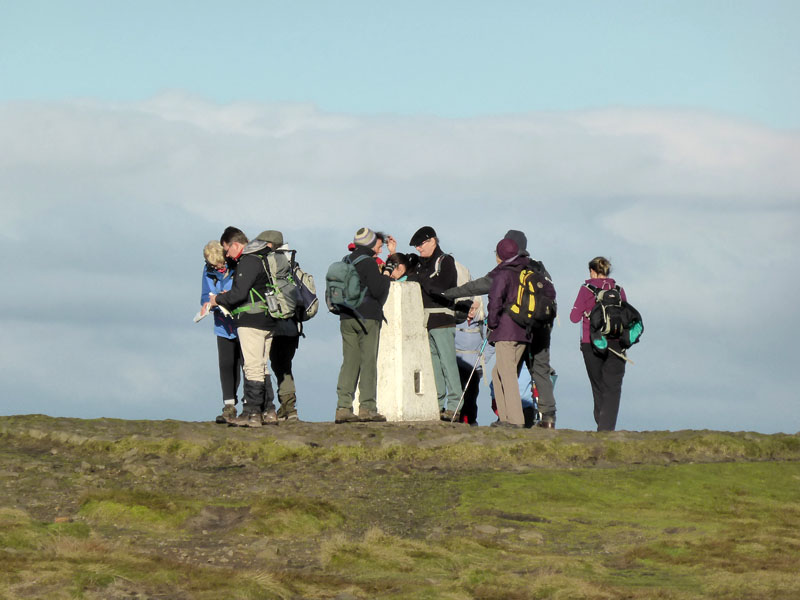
(228, 412)
(288, 417)
(246, 420)
(447, 415)
(370, 416)
(345, 415)
(269, 417)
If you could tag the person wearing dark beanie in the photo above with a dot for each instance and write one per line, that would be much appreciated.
(537, 358)
(509, 338)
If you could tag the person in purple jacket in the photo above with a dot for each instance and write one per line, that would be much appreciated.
(605, 372)
(509, 339)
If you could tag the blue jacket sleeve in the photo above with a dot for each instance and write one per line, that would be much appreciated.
(206, 288)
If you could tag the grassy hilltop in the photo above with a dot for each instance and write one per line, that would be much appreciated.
(111, 509)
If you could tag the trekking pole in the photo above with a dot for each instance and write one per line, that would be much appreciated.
(622, 356)
(475, 366)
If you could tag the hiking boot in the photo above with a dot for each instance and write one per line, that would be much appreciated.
(447, 415)
(246, 420)
(345, 415)
(269, 417)
(228, 413)
(370, 416)
(506, 424)
(548, 421)
(287, 410)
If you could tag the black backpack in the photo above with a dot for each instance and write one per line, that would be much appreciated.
(613, 318)
(534, 306)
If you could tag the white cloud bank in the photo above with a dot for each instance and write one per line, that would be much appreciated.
(105, 209)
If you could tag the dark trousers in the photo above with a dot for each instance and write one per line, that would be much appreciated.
(469, 407)
(605, 375)
(537, 359)
(281, 354)
(230, 366)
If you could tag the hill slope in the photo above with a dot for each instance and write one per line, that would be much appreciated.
(164, 509)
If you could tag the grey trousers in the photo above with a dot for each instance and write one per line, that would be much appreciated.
(537, 360)
(442, 341)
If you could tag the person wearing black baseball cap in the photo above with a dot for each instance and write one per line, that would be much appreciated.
(435, 272)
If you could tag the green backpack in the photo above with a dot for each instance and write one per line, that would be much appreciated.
(343, 287)
(280, 296)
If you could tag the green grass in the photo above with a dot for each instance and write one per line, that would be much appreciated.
(209, 513)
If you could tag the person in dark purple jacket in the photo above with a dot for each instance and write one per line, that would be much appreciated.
(509, 339)
(605, 372)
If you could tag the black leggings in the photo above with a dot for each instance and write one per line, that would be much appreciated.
(230, 366)
(469, 407)
(605, 375)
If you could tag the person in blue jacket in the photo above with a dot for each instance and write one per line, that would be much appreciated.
(218, 278)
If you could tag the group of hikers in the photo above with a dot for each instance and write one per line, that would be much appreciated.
(260, 297)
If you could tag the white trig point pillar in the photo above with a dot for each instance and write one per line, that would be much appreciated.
(406, 388)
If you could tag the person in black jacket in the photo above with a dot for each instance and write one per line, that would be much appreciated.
(436, 272)
(285, 338)
(537, 355)
(254, 324)
(360, 334)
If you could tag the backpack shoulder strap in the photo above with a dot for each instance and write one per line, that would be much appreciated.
(592, 288)
(357, 260)
(437, 266)
(266, 269)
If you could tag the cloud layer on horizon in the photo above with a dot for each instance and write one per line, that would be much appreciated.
(106, 208)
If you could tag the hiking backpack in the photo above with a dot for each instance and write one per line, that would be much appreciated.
(281, 297)
(278, 298)
(343, 287)
(612, 318)
(534, 305)
(306, 302)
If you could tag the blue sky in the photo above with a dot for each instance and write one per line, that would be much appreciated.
(664, 135)
(451, 59)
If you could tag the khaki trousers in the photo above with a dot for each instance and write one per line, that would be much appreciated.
(506, 386)
(255, 345)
